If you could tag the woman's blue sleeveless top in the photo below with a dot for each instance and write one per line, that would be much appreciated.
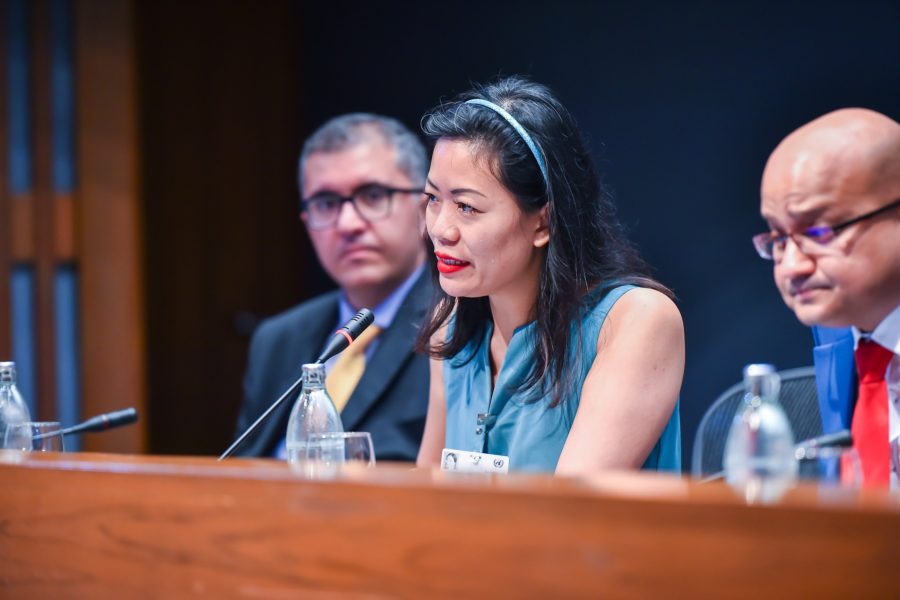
(522, 425)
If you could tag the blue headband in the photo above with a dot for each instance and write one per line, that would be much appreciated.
(521, 131)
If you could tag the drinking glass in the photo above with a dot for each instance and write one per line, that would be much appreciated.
(830, 467)
(349, 447)
(34, 436)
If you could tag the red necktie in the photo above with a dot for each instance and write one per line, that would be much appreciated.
(870, 417)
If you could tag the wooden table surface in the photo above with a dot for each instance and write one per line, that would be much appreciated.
(95, 526)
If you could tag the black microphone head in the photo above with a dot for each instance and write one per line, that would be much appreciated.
(344, 336)
(359, 322)
(123, 417)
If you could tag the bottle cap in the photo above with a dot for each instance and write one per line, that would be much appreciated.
(314, 374)
(762, 380)
(8, 371)
(757, 369)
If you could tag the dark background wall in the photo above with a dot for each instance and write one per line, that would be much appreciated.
(682, 106)
(221, 110)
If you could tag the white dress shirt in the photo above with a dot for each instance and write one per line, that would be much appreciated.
(887, 334)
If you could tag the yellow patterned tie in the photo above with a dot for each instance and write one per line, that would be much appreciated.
(347, 371)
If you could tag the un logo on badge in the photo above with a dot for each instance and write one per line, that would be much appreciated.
(498, 463)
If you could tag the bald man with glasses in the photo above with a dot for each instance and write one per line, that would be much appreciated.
(831, 198)
(360, 178)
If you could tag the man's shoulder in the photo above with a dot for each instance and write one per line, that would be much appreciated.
(324, 308)
(419, 296)
(302, 315)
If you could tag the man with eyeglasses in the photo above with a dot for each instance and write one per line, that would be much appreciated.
(361, 178)
(831, 197)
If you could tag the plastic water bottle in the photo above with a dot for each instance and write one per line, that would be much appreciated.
(759, 452)
(313, 412)
(13, 409)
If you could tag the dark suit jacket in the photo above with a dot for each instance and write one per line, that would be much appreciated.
(835, 377)
(390, 401)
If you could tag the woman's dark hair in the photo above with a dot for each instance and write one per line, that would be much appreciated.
(588, 251)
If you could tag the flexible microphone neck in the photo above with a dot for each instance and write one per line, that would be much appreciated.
(342, 338)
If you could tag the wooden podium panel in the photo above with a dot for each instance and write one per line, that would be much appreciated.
(96, 526)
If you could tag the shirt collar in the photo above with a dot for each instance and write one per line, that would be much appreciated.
(387, 309)
(886, 334)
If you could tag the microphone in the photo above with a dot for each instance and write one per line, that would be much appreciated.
(808, 448)
(102, 422)
(345, 336)
(342, 338)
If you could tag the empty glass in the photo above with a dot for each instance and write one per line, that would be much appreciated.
(330, 451)
(33, 436)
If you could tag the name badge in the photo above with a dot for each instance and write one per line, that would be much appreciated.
(473, 462)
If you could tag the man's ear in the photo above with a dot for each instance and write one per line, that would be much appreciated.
(542, 232)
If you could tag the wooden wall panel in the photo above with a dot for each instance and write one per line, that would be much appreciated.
(220, 120)
(5, 202)
(64, 228)
(108, 218)
(43, 204)
(21, 234)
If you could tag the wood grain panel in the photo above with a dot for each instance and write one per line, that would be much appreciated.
(21, 236)
(108, 218)
(43, 223)
(5, 208)
(253, 529)
(64, 228)
(221, 133)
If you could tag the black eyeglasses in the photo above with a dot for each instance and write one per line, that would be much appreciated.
(371, 201)
(813, 240)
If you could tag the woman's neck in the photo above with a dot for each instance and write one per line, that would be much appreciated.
(508, 312)
(509, 316)
(515, 306)
(512, 308)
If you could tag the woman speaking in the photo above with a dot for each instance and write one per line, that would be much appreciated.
(550, 343)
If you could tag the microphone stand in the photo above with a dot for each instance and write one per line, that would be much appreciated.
(236, 444)
(342, 338)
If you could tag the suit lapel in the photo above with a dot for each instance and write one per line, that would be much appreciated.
(393, 351)
(835, 379)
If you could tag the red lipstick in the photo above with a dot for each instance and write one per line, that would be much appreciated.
(447, 264)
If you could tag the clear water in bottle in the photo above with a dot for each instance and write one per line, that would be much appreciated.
(759, 456)
(13, 409)
(313, 413)
(331, 451)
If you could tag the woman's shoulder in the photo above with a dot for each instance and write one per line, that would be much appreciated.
(627, 297)
(645, 299)
(638, 309)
